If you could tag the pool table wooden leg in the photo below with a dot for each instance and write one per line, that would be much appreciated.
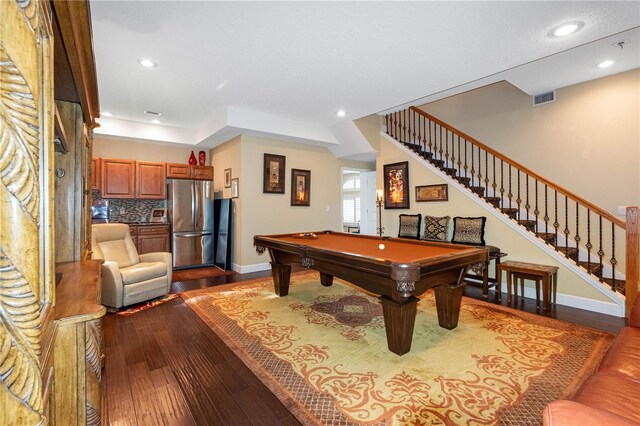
(448, 300)
(281, 275)
(326, 279)
(399, 320)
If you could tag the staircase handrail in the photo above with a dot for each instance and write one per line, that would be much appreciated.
(605, 214)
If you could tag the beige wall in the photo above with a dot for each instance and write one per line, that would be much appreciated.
(135, 149)
(258, 213)
(497, 233)
(588, 140)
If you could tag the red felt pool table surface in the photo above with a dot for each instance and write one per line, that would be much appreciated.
(395, 250)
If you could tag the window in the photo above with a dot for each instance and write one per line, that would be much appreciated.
(351, 209)
(351, 184)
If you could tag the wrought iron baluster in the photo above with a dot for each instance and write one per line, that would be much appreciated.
(566, 225)
(546, 210)
(441, 150)
(502, 182)
(465, 160)
(480, 171)
(510, 194)
(430, 139)
(577, 238)
(486, 171)
(415, 118)
(527, 205)
(556, 224)
(459, 168)
(519, 199)
(494, 186)
(446, 147)
(613, 260)
(589, 246)
(600, 251)
(473, 171)
(536, 212)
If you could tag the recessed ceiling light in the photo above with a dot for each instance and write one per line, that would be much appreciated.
(341, 113)
(147, 63)
(566, 29)
(106, 114)
(155, 121)
(606, 64)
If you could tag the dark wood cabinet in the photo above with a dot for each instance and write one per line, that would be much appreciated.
(150, 180)
(187, 171)
(117, 178)
(150, 238)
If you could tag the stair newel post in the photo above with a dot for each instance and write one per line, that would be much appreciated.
(600, 251)
(632, 270)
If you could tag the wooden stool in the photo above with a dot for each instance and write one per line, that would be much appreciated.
(547, 275)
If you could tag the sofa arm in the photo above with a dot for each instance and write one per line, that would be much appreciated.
(634, 318)
(570, 413)
(111, 285)
(161, 257)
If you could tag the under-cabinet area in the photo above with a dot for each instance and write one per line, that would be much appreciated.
(150, 238)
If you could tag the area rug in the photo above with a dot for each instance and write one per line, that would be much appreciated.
(323, 352)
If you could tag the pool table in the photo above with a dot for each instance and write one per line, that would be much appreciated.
(398, 272)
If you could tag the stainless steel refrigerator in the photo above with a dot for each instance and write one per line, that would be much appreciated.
(191, 214)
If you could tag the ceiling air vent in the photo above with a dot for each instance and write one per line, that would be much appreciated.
(544, 98)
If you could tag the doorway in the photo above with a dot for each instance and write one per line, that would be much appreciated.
(359, 201)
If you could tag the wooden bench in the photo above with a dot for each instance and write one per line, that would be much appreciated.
(544, 275)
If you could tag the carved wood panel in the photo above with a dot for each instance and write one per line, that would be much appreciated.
(26, 279)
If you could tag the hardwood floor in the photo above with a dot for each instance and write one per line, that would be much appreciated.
(165, 366)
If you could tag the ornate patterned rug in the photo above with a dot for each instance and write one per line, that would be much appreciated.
(323, 352)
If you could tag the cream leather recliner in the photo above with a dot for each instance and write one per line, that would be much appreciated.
(127, 277)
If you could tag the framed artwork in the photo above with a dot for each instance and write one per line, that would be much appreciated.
(432, 192)
(300, 187)
(273, 180)
(158, 215)
(234, 187)
(227, 178)
(396, 185)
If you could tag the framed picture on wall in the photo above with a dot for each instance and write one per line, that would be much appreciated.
(227, 178)
(300, 187)
(234, 187)
(432, 192)
(396, 185)
(273, 179)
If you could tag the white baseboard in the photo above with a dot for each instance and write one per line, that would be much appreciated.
(579, 302)
(256, 267)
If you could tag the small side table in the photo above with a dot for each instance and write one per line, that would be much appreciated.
(546, 274)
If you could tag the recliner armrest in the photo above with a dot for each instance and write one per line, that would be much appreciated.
(161, 256)
(570, 413)
(111, 285)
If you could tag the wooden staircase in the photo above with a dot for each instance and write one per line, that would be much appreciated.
(571, 225)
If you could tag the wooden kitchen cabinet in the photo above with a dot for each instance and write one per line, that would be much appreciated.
(178, 171)
(95, 173)
(117, 178)
(150, 238)
(150, 180)
(187, 171)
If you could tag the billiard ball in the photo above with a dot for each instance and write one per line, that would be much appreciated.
(381, 246)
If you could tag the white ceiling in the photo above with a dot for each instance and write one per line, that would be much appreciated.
(285, 68)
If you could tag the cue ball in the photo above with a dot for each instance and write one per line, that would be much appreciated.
(381, 246)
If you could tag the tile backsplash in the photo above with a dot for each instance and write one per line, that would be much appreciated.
(129, 210)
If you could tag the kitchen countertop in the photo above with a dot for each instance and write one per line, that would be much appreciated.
(143, 223)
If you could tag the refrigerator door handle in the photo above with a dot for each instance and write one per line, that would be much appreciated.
(190, 235)
(193, 204)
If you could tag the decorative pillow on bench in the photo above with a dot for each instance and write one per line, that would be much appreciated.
(436, 228)
(468, 230)
(410, 226)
